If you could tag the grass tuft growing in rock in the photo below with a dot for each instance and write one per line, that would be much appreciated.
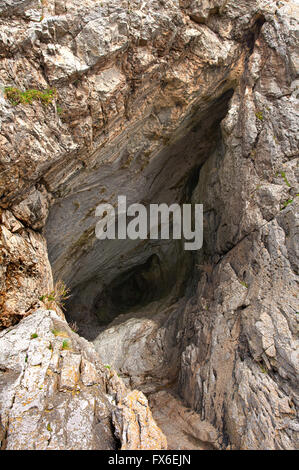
(56, 297)
(283, 175)
(259, 115)
(59, 109)
(244, 284)
(16, 96)
(65, 344)
(286, 203)
(60, 333)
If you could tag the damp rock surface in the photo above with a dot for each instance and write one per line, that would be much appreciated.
(162, 101)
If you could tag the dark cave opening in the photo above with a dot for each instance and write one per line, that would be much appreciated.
(120, 277)
(135, 288)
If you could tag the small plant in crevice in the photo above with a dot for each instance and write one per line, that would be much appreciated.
(16, 96)
(34, 335)
(259, 115)
(244, 284)
(283, 175)
(56, 297)
(286, 203)
(107, 366)
(59, 109)
(65, 345)
(263, 368)
(60, 333)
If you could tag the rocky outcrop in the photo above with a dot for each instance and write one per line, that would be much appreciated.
(240, 369)
(161, 101)
(135, 426)
(25, 270)
(56, 394)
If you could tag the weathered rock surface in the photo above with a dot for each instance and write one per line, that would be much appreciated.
(56, 394)
(25, 272)
(161, 101)
(135, 426)
(190, 432)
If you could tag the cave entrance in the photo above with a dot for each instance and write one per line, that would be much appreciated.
(132, 289)
(109, 278)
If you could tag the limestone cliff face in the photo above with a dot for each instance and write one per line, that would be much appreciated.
(161, 101)
(56, 394)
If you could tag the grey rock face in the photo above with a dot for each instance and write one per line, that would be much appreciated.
(164, 101)
(25, 270)
(240, 369)
(43, 403)
(56, 394)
